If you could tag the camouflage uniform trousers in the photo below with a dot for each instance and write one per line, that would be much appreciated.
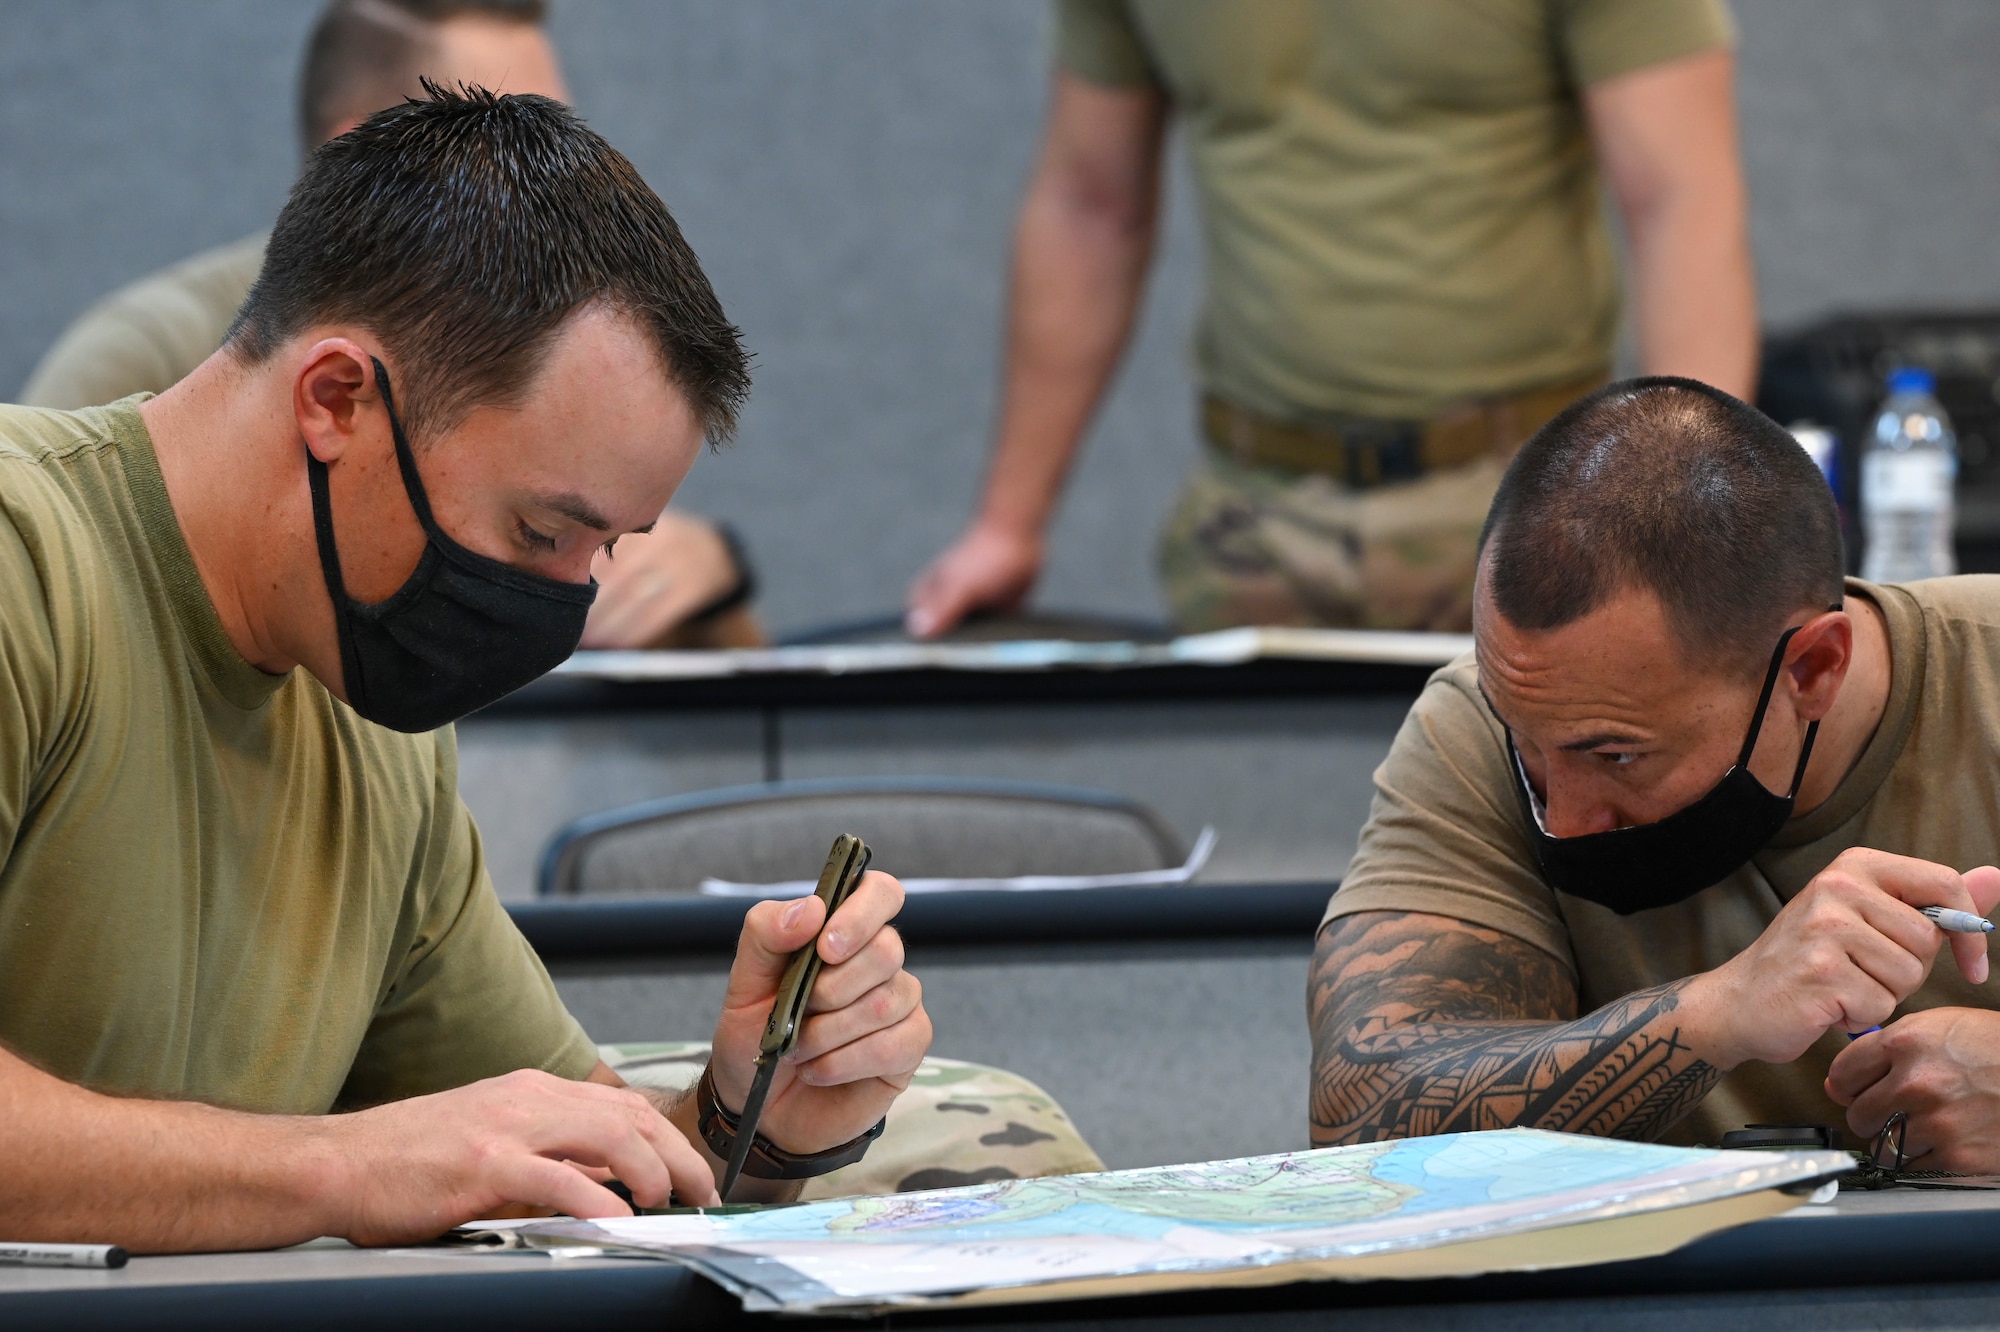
(1250, 544)
(957, 1123)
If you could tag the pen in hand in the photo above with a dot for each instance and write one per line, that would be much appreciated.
(1952, 922)
(1957, 922)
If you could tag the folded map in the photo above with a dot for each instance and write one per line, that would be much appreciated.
(1452, 1205)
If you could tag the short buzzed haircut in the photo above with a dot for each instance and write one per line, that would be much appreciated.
(364, 54)
(1675, 488)
(463, 231)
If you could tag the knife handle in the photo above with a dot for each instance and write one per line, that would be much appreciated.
(845, 865)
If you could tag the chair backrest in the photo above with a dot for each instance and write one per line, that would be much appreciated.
(919, 827)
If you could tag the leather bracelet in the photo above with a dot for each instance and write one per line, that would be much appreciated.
(767, 1160)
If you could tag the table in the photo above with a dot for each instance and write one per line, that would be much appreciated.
(1275, 754)
(583, 688)
(1900, 1258)
(934, 925)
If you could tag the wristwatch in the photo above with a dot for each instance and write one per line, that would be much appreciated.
(767, 1160)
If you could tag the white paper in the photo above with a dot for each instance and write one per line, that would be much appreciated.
(1204, 846)
(1225, 648)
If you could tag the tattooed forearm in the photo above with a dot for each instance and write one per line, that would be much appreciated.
(1426, 1025)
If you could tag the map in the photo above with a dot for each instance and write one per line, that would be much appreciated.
(1261, 1193)
(1216, 1217)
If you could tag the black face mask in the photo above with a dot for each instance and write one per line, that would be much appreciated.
(1659, 864)
(462, 631)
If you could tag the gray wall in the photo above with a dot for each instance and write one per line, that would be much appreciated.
(1872, 142)
(848, 173)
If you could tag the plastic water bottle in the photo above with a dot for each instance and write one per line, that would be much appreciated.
(1823, 447)
(1908, 464)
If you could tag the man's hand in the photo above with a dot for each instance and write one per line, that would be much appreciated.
(1841, 955)
(415, 1168)
(1081, 250)
(1941, 1068)
(865, 1031)
(656, 581)
(988, 568)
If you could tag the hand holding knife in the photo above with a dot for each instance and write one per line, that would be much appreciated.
(845, 865)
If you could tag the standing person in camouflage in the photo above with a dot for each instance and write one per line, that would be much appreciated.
(1408, 273)
(685, 583)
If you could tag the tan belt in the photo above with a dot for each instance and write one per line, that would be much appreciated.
(1362, 452)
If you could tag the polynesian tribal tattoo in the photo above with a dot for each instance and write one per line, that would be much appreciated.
(1422, 1025)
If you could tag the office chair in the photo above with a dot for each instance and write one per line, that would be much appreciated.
(919, 827)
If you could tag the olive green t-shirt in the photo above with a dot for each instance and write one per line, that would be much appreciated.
(219, 884)
(1400, 201)
(1447, 836)
(148, 336)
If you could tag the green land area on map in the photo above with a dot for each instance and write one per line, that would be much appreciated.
(1262, 1192)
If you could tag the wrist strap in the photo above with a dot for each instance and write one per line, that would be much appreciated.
(767, 1160)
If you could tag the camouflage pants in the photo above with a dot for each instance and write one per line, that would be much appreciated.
(956, 1124)
(1266, 545)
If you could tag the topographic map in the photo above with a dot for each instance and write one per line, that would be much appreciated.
(1260, 1193)
(1264, 1212)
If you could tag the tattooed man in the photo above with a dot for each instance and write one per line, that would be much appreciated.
(1642, 862)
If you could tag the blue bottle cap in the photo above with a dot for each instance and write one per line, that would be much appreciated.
(1912, 379)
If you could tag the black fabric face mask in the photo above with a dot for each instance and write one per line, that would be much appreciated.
(462, 631)
(1658, 864)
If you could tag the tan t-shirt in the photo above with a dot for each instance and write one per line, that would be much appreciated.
(1400, 200)
(1447, 836)
(148, 336)
(220, 884)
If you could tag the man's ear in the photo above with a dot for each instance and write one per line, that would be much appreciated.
(333, 381)
(1816, 662)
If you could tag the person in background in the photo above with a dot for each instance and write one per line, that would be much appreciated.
(1408, 271)
(686, 583)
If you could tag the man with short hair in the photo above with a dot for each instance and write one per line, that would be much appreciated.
(240, 892)
(684, 584)
(1649, 862)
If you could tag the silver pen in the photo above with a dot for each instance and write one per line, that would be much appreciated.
(61, 1255)
(1958, 922)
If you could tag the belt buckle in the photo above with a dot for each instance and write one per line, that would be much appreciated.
(1378, 452)
(1242, 433)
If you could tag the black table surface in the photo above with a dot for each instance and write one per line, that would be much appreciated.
(557, 695)
(601, 929)
(1904, 1250)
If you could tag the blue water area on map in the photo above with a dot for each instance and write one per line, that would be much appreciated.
(1465, 1170)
